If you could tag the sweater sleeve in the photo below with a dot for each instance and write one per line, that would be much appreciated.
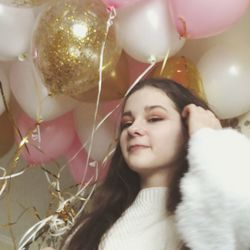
(215, 208)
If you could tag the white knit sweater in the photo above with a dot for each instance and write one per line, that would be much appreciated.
(144, 225)
(215, 211)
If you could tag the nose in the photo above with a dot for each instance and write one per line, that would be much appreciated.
(136, 129)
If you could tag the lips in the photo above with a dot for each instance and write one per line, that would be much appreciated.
(136, 147)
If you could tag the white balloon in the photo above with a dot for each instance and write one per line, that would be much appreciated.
(33, 96)
(146, 31)
(103, 137)
(16, 25)
(226, 79)
(6, 90)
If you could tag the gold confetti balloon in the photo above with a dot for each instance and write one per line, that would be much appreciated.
(183, 71)
(24, 3)
(70, 40)
(114, 87)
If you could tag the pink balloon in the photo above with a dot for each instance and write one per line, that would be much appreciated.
(204, 18)
(119, 3)
(49, 140)
(80, 171)
(115, 108)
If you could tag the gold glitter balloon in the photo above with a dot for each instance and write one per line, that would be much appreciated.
(183, 71)
(24, 3)
(114, 87)
(67, 46)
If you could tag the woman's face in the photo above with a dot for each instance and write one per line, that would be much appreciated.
(152, 135)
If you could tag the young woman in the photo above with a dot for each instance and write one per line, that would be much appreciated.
(177, 180)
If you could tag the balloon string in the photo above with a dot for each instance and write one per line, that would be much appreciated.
(57, 225)
(96, 127)
(12, 120)
(4, 185)
(38, 94)
(27, 237)
(6, 177)
(59, 222)
(109, 23)
(54, 222)
(17, 130)
(119, 104)
(3, 97)
(164, 63)
(111, 112)
(140, 77)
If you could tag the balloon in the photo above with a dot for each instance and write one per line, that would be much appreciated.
(235, 36)
(24, 3)
(80, 171)
(40, 8)
(103, 139)
(33, 96)
(6, 91)
(225, 74)
(16, 27)
(115, 108)
(202, 18)
(67, 46)
(183, 71)
(114, 87)
(6, 134)
(146, 31)
(119, 3)
(49, 140)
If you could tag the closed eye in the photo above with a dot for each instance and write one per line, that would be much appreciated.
(155, 119)
(125, 125)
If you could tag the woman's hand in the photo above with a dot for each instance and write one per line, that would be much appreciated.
(198, 117)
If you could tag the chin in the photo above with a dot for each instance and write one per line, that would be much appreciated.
(136, 166)
(141, 168)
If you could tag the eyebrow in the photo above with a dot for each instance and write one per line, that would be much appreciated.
(147, 109)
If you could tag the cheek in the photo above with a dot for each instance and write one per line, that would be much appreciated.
(123, 141)
(169, 137)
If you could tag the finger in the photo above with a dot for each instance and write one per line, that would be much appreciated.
(187, 109)
(212, 114)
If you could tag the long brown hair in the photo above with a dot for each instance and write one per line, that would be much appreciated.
(121, 185)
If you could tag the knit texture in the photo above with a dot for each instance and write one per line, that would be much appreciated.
(144, 225)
